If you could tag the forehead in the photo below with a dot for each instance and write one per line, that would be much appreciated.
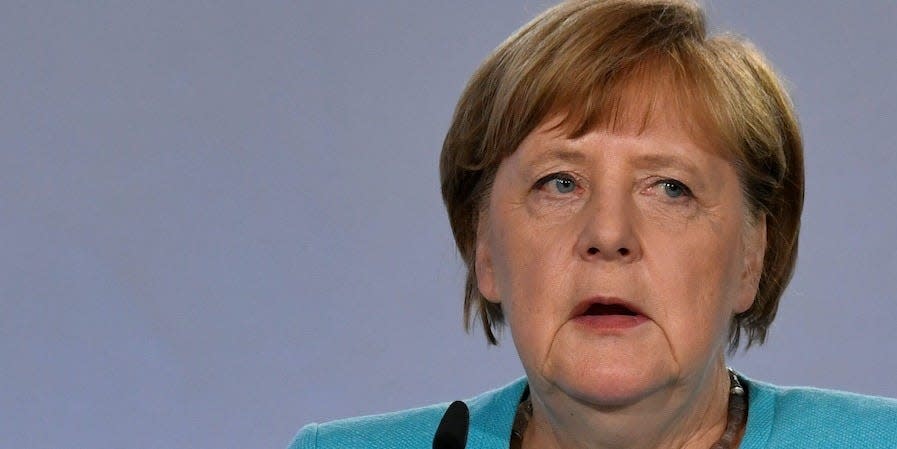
(655, 96)
(663, 142)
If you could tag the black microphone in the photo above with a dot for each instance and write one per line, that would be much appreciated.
(452, 430)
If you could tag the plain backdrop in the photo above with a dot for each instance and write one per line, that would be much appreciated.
(220, 221)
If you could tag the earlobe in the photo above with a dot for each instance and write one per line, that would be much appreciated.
(483, 265)
(754, 252)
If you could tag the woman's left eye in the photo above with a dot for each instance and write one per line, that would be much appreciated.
(564, 185)
(673, 189)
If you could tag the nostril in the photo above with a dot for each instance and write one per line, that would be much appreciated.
(624, 251)
(593, 251)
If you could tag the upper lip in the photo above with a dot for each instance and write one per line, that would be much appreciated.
(584, 306)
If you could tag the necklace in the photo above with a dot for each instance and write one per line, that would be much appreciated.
(735, 418)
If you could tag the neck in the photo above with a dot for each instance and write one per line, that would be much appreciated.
(691, 415)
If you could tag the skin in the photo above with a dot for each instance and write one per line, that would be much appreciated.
(653, 216)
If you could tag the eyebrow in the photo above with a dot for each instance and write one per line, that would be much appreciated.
(563, 154)
(664, 160)
(641, 161)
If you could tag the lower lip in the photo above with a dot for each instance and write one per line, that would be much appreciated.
(611, 322)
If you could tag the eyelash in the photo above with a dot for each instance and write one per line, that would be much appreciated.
(542, 182)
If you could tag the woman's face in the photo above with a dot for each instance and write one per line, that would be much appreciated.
(618, 258)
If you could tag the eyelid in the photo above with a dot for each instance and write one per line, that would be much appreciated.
(541, 182)
(687, 192)
(552, 176)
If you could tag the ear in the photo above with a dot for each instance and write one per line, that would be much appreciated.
(754, 252)
(483, 261)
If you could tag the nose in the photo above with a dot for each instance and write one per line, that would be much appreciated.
(609, 230)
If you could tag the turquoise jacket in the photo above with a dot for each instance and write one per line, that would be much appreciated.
(778, 417)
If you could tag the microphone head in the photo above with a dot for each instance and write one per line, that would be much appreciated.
(452, 430)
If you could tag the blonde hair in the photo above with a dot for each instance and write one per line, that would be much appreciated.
(591, 60)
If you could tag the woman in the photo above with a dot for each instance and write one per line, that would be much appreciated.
(626, 193)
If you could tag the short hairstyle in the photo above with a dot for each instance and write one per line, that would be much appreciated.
(584, 60)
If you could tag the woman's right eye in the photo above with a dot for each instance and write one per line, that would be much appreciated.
(557, 183)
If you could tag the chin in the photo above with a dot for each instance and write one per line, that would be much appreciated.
(614, 389)
(609, 379)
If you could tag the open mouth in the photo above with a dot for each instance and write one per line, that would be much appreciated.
(608, 315)
(609, 309)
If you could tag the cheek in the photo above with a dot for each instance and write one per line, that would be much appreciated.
(695, 278)
(530, 263)
(534, 277)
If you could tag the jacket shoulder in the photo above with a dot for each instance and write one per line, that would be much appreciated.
(413, 428)
(813, 417)
(491, 417)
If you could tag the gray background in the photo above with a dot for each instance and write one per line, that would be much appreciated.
(221, 220)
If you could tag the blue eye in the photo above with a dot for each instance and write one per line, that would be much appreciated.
(557, 183)
(673, 188)
(564, 185)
